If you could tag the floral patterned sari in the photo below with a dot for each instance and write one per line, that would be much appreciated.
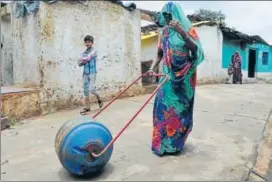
(173, 107)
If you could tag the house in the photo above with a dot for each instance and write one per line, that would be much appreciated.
(219, 42)
(45, 46)
(149, 44)
(255, 52)
(212, 41)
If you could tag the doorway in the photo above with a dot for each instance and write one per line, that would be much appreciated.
(251, 63)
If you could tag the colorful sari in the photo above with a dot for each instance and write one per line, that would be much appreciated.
(173, 107)
(236, 61)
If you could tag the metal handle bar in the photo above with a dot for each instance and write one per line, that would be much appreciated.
(135, 115)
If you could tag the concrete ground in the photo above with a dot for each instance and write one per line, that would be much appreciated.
(229, 120)
(259, 167)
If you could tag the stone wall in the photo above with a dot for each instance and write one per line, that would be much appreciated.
(49, 42)
(21, 105)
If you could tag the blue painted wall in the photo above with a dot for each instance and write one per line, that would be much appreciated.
(260, 48)
(229, 48)
(270, 63)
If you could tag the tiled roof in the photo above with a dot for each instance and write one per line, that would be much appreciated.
(155, 27)
(227, 31)
(230, 32)
(257, 38)
(195, 18)
(149, 28)
(233, 34)
(3, 4)
(127, 5)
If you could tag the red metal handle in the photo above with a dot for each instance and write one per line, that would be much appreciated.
(135, 115)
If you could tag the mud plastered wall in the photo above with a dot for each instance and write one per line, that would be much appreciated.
(50, 42)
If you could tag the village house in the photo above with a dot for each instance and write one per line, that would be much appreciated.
(39, 73)
(255, 52)
(40, 52)
(219, 43)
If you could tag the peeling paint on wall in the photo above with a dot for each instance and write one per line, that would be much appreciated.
(6, 56)
(49, 42)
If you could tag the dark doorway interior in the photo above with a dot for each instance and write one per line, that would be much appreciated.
(251, 63)
(148, 80)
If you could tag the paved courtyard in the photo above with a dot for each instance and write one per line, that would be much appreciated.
(229, 120)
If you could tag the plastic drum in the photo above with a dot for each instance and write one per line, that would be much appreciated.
(76, 140)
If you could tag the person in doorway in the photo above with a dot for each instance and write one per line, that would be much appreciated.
(235, 68)
(88, 61)
(181, 52)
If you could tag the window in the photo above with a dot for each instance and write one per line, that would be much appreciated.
(265, 58)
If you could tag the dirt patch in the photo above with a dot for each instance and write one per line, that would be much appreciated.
(17, 106)
(265, 153)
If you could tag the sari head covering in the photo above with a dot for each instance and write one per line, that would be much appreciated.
(176, 41)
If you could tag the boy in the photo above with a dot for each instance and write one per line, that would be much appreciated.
(88, 60)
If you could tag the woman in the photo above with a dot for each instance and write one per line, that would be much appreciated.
(180, 50)
(236, 62)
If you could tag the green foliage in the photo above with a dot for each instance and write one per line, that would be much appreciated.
(211, 15)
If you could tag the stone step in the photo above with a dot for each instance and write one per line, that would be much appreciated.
(5, 123)
(20, 103)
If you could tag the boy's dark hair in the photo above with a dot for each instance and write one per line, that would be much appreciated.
(89, 38)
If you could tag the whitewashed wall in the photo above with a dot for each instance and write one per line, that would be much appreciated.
(49, 42)
(210, 70)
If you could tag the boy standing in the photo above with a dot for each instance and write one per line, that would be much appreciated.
(88, 61)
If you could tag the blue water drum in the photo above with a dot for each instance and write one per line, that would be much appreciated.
(76, 140)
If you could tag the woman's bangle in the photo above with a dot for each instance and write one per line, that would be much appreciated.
(151, 69)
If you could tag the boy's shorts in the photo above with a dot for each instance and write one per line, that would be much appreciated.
(89, 83)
